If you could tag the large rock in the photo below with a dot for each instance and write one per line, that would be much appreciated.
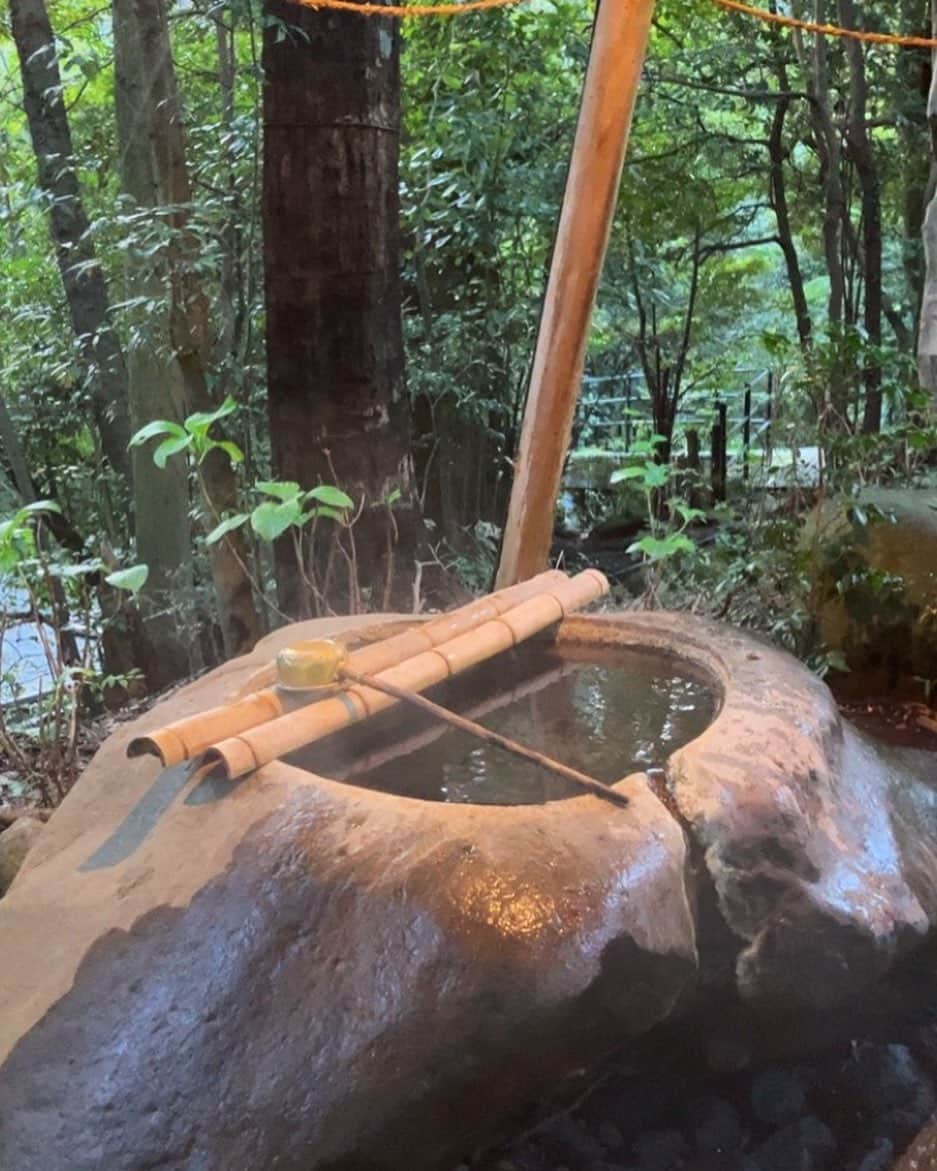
(880, 602)
(292, 972)
(15, 844)
(305, 974)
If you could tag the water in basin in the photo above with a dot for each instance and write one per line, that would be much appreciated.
(605, 711)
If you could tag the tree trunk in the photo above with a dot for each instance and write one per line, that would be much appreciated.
(189, 329)
(337, 408)
(82, 275)
(161, 497)
(927, 335)
(779, 204)
(862, 155)
(828, 142)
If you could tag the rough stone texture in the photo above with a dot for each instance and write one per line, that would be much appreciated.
(304, 974)
(15, 844)
(893, 633)
(291, 972)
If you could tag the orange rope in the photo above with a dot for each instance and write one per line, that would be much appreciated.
(829, 30)
(407, 11)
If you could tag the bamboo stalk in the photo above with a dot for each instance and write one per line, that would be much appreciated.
(574, 776)
(255, 747)
(189, 737)
(619, 43)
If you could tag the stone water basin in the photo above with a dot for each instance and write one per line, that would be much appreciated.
(326, 966)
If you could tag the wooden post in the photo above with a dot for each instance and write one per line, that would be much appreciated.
(746, 429)
(619, 43)
(719, 453)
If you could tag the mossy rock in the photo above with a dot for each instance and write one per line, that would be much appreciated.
(877, 563)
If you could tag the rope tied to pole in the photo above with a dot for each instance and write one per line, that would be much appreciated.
(415, 11)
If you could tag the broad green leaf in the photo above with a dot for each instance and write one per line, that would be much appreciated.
(133, 579)
(687, 514)
(333, 497)
(171, 446)
(660, 548)
(621, 474)
(231, 450)
(201, 421)
(281, 489)
(656, 475)
(156, 428)
(39, 506)
(271, 520)
(324, 510)
(227, 526)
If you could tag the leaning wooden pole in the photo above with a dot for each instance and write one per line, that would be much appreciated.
(619, 43)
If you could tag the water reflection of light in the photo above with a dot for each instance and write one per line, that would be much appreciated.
(514, 909)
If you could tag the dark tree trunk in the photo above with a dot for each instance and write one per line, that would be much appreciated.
(337, 406)
(862, 155)
(779, 203)
(82, 276)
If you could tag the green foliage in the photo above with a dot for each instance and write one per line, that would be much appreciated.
(193, 436)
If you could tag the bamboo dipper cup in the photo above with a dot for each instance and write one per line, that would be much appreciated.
(255, 747)
(187, 738)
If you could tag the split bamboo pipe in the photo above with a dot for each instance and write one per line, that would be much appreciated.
(187, 738)
(256, 747)
(619, 43)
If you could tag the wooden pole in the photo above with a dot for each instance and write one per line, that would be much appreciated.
(619, 43)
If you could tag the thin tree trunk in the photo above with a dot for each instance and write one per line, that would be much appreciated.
(164, 183)
(828, 143)
(82, 276)
(927, 333)
(863, 156)
(779, 204)
(337, 407)
(161, 497)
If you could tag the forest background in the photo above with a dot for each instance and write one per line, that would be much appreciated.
(269, 291)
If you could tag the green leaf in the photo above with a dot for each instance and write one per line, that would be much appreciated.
(324, 510)
(660, 548)
(687, 514)
(199, 423)
(281, 489)
(232, 451)
(132, 579)
(227, 526)
(270, 520)
(656, 475)
(621, 474)
(39, 506)
(171, 446)
(333, 497)
(156, 428)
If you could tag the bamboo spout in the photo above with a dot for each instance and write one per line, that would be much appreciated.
(187, 738)
(256, 747)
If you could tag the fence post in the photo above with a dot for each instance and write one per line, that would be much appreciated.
(769, 416)
(694, 467)
(746, 428)
(718, 470)
(628, 411)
